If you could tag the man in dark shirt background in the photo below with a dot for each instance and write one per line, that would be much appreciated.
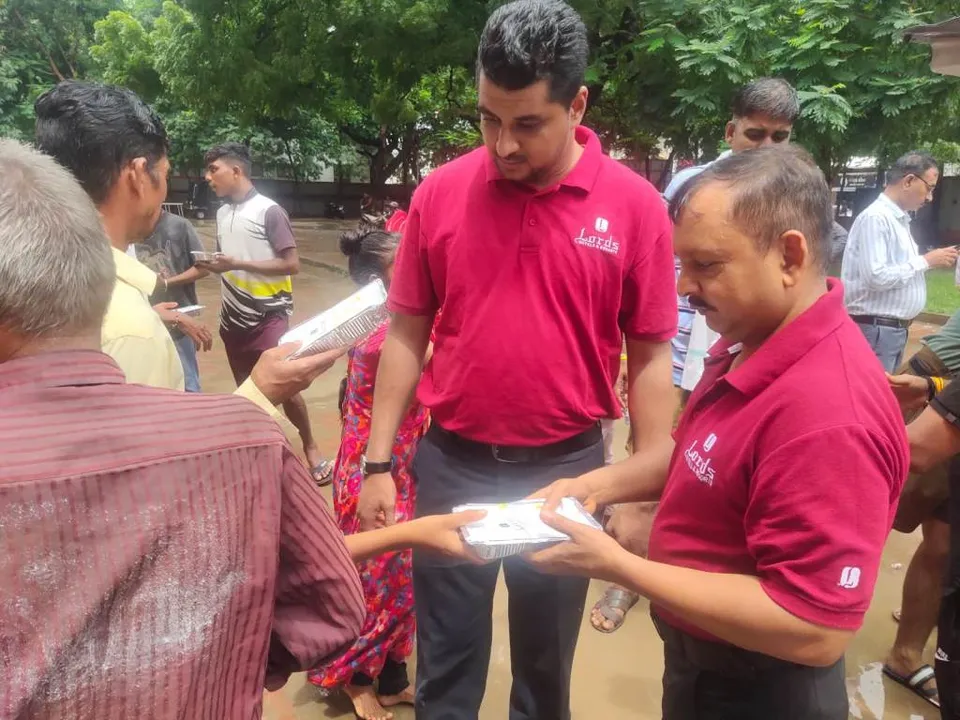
(935, 439)
(167, 253)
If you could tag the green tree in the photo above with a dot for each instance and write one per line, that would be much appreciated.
(391, 75)
(41, 42)
(668, 69)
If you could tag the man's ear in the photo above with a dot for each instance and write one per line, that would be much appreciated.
(579, 105)
(136, 174)
(795, 254)
(728, 132)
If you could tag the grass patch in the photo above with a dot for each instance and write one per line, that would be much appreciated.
(943, 296)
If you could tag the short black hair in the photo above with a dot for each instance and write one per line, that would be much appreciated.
(370, 251)
(915, 162)
(232, 151)
(775, 189)
(772, 97)
(95, 130)
(526, 41)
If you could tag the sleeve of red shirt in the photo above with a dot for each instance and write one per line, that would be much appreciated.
(820, 509)
(411, 290)
(319, 606)
(648, 309)
(276, 223)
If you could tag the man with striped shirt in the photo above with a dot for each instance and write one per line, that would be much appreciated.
(258, 256)
(883, 271)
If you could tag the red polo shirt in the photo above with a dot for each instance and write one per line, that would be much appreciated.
(537, 289)
(789, 468)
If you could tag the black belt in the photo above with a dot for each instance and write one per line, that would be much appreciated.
(883, 321)
(454, 444)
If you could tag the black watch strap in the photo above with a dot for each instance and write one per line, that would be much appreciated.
(376, 468)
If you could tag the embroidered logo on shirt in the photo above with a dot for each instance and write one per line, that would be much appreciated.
(598, 241)
(709, 442)
(850, 577)
(698, 464)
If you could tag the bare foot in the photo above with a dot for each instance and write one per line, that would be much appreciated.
(365, 703)
(600, 622)
(404, 698)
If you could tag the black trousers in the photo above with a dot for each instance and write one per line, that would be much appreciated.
(454, 602)
(713, 681)
(392, 680)
(947, 658)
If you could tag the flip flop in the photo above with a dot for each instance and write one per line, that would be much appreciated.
(915, 682)
(323, 473)
(614, 606)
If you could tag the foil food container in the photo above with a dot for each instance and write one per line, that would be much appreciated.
(345, 324)
(204, 256)
(516, 528)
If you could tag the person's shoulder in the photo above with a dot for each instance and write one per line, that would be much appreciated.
(875, 209)
(262, 204)
(625, 179)
(215, 419)
(680, 178)
(847, 384)
(454, 174)
(179, 227)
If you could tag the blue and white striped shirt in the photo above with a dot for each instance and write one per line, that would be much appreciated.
(681, 341)
(883, 271)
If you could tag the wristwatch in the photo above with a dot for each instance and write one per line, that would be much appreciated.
(375, 468)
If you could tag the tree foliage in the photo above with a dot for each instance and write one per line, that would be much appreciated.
(391, 82)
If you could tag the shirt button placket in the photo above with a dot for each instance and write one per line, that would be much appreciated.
(530, 230)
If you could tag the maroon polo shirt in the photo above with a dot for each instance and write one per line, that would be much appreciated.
(789, 469)
(537, 289)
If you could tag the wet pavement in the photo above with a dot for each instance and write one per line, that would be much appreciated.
(614, 676)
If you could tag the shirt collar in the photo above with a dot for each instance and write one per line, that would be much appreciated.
(891, 207)
(60, 368)
(134, 273)
(584, 173)
(253, 193)
(786, 347)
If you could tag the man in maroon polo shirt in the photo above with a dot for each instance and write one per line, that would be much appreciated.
(789, 460)
(543, 254)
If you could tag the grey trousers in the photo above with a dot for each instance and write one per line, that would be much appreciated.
(454, 602)
(888, 344)
(713, 681)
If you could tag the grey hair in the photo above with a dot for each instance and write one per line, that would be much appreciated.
(771, 97)
(56, 267)
(914, 162)
(773, 190)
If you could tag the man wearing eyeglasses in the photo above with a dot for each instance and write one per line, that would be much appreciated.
(883, 271)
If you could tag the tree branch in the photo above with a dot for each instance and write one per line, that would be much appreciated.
(358, 138)
(43, 48)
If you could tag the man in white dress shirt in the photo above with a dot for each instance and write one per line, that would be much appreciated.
(883, 271)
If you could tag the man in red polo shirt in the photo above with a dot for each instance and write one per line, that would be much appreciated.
(543, 254)
(789, 460)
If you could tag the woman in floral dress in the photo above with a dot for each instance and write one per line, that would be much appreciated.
(379, 655)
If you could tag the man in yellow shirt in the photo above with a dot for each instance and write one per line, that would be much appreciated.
(117, 147)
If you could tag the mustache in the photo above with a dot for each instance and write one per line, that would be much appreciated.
(699, 304)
